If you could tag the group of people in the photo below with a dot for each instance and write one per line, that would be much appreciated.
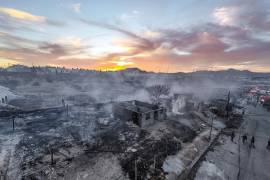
(252, 140)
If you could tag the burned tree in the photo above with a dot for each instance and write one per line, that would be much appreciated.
(228, 103)
(157, 91)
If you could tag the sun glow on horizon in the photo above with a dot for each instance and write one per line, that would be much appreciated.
(4, 62)
(117, 35)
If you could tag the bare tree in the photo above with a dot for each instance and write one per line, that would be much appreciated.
(157, 91)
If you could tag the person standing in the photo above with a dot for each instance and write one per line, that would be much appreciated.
(268, 145)
(232, 136)
(244, 138)
(252, 142)
(243, 112)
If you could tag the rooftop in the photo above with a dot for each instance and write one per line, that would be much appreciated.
(138, 106)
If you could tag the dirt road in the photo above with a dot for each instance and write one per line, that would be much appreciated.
(255, 162)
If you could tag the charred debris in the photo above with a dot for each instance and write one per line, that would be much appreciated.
(50, 142)
(139, 134)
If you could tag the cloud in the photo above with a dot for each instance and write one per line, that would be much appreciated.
(225, 15)
(55, 23)
(26, 51)
(209, 45)
(71, 40)
(21, 15)
(138, 43)
(76, 7)
(234, 39)
(13, 41)
(13, 20)
(128, 16)
(244, 13)
(151, 34)
(204, 46)
(8, 25)
(52, 48)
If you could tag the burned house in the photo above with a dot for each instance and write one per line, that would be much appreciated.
(221, 107)
(140, 113)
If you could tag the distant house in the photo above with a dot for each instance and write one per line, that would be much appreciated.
(140, 113)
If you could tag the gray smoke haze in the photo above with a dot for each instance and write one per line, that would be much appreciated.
(102, 87)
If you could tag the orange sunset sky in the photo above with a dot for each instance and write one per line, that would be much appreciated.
(153, 35)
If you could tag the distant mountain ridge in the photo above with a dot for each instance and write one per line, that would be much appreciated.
(50, 69)
(133, 70)
(230, 72)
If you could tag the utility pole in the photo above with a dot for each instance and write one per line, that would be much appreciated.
(166, 147)
(2, 176)
(67, 109)
(135, 170)
(154, 163)
(212, 120)
(63, 102)
(228, 103)
(13, 123)
(51, 152)
(6, 100)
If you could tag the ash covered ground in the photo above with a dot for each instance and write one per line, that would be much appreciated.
(61, 125)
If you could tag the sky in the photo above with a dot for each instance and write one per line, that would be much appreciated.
(153, 35)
